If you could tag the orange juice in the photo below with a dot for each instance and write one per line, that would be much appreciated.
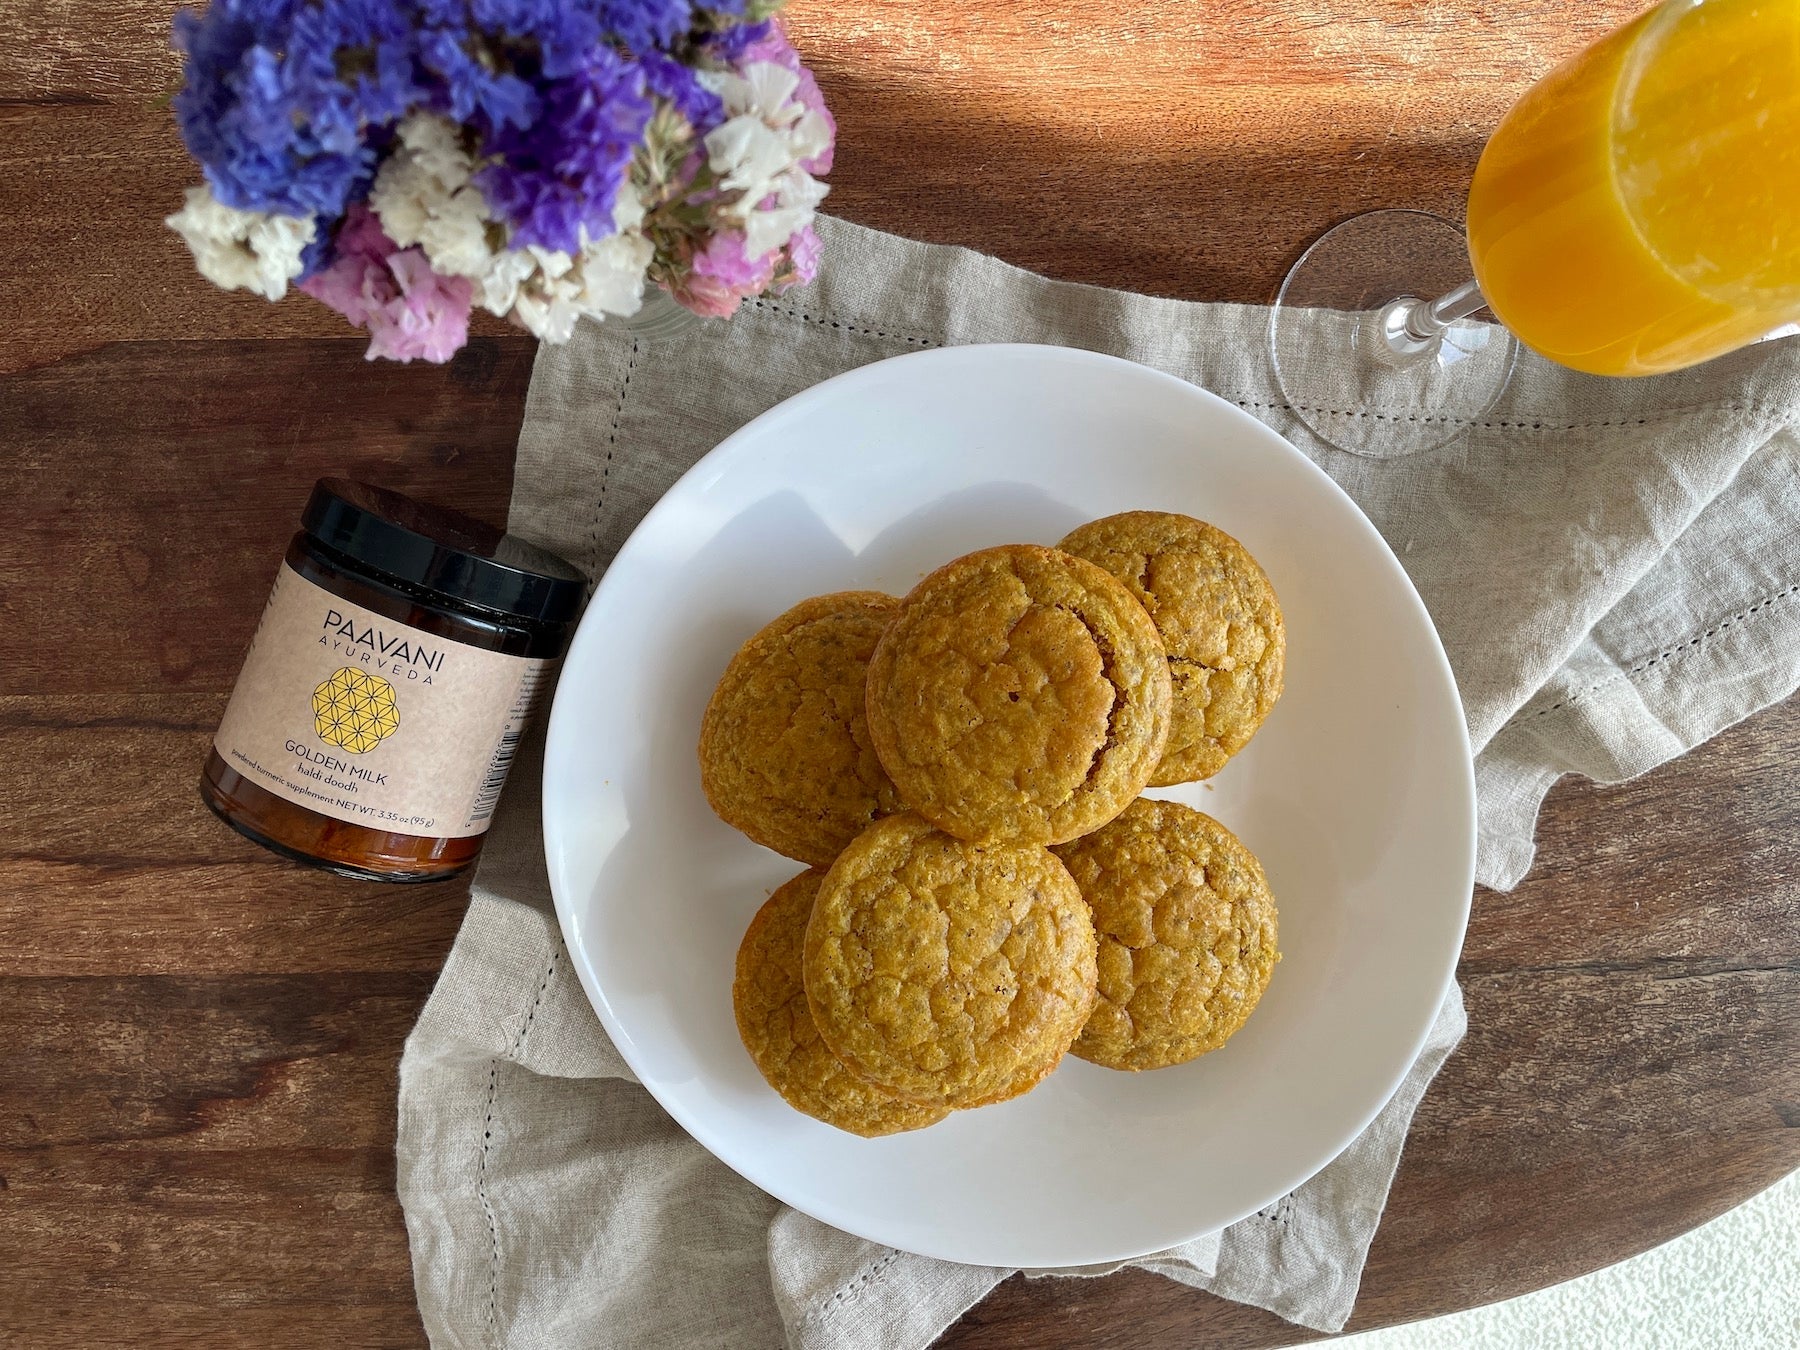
(1639, 209)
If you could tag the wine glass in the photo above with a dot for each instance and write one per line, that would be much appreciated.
(1637, 211)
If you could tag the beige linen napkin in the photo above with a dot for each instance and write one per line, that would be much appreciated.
(1612, 565)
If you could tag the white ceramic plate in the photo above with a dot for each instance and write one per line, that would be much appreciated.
(1357, 795)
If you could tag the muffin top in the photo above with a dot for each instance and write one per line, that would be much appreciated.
(1186, 931)
(952, 973)
(769, 998)
(1021, 693)
(1219, 622)
(785, 754)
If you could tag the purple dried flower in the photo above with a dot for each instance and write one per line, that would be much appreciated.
(643, 25)
(290, 106)
(729, 45)
(280, 97)
(546, 39)
(680, 86)
(803, 252)
(318, 254)
(562, 174)
(469, 85)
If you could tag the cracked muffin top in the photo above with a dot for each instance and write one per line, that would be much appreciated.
(785, 754)
(954, 974)
(1020, 694)
(1187, 934)
(1219, 621)
(777, 1028)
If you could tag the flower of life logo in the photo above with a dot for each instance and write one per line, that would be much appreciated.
(355, 710)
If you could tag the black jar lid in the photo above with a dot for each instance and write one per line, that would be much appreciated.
(456, 556)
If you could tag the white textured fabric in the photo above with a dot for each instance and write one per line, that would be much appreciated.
(1733, 1282)
(1612, 566)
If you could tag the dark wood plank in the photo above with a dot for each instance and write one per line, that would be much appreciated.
(177, 1062)
(1699, 860)
(1067, 62)
(96, 51)
(189, 1161)
(128, 873)
(1187, 149)
(247, 916)
(150, 489)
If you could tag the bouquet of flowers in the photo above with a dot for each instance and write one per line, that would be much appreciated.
(404, 161)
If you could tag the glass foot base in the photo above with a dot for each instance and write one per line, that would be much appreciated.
(1345, 359)
(661, 317)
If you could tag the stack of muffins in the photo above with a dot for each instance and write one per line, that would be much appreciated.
(961, 772)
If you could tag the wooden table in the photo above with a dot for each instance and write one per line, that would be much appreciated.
(198, 1041)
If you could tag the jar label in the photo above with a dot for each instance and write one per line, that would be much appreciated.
(356, 716)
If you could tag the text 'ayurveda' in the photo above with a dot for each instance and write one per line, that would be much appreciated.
(389, 652)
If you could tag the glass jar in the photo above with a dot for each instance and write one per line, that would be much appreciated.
(401, 655)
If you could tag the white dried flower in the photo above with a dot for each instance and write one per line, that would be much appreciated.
(606, 277)
(242, 250)
(757, 152)
(748, 154)
(796, 199)
(424, 195)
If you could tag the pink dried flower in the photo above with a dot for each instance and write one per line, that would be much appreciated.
(803, 252)
(409, 310)
(722, 276)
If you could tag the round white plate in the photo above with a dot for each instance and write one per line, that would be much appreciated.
(1357, 795)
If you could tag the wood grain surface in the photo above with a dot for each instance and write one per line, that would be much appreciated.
(198, 1042)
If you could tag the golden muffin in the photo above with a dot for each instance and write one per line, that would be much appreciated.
(951, 973)
(1219, 621)
(785, 754)
(1020, 693)
(769, 998)
(1187, 934)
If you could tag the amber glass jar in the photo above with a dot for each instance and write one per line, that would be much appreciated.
(403, 651)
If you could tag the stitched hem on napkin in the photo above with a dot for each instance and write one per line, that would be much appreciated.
(1623, 723)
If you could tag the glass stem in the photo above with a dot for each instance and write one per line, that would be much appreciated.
(1410, 329)
(1427, 321)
